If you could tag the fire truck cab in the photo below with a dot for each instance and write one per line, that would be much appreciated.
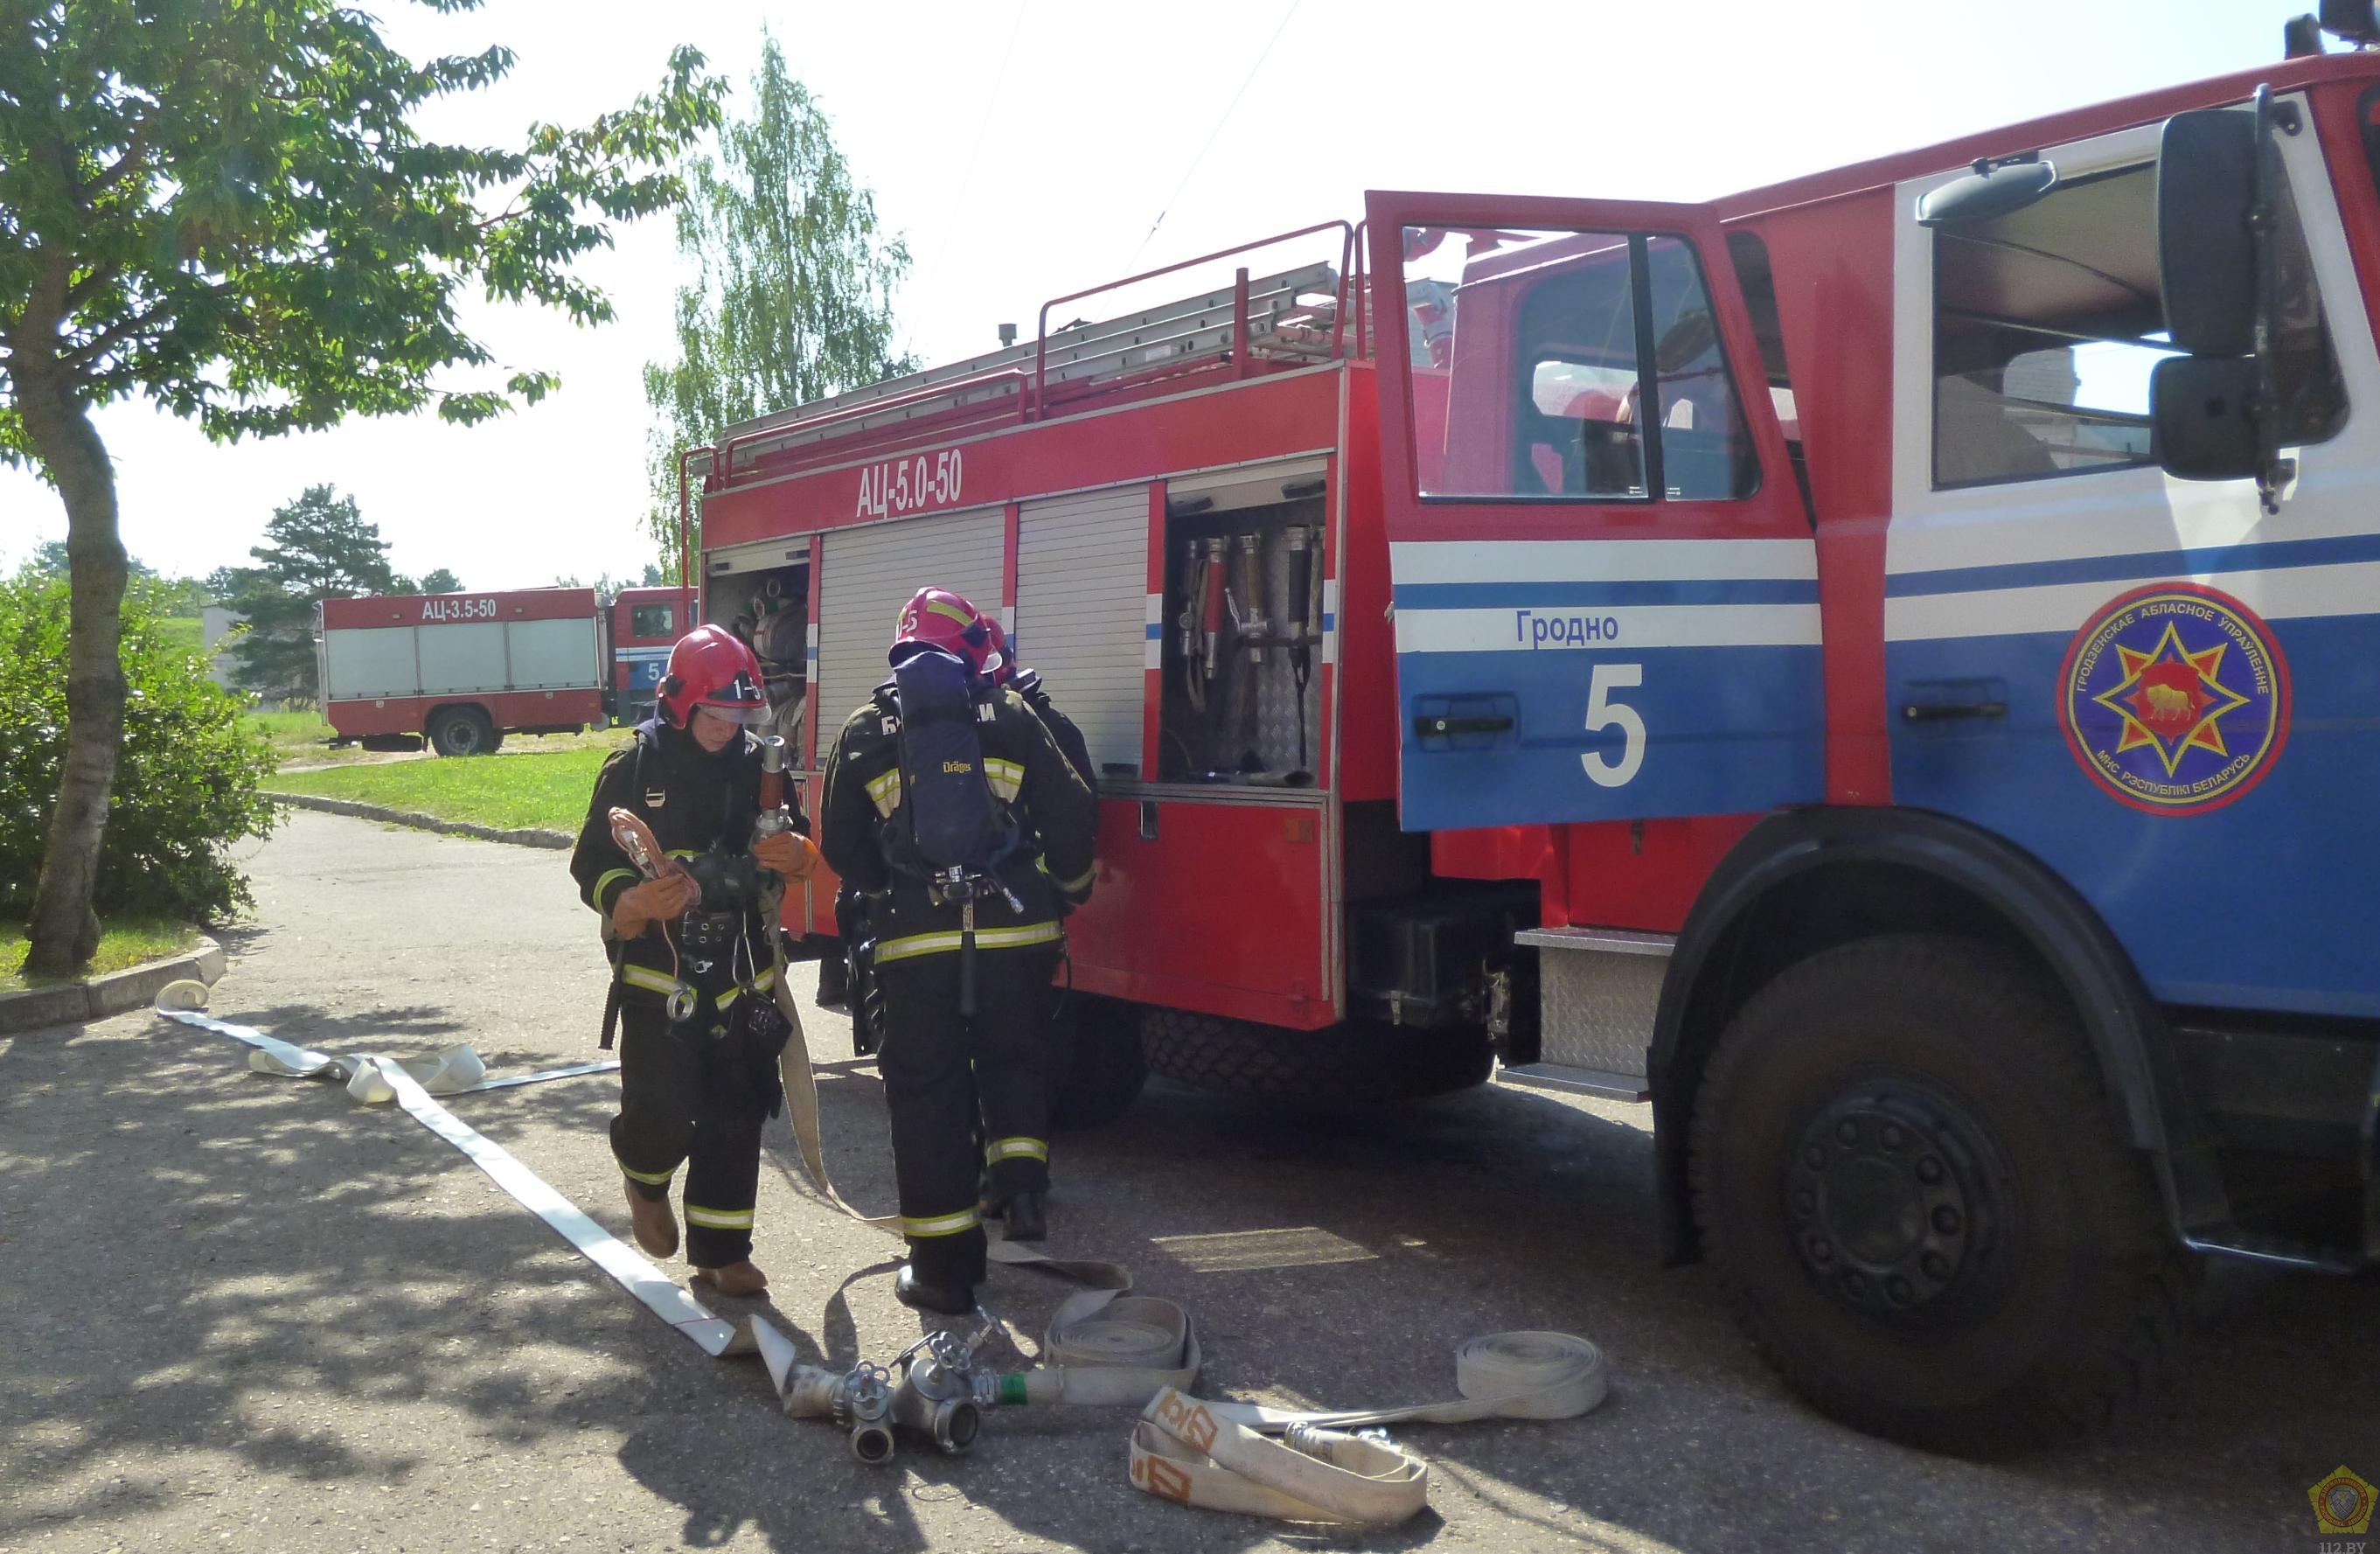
(1883, 667)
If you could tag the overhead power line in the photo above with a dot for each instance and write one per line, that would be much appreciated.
(1192, 171)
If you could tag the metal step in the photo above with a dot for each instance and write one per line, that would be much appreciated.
(1575, 1081)
(1598, 991)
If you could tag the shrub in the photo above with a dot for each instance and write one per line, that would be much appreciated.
(186, 783)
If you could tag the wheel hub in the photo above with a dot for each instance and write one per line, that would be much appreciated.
(1892, 1198)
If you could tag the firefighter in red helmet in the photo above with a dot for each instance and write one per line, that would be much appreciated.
(694, 967)
(950, 806)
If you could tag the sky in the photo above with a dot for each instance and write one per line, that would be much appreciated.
(1026, 149)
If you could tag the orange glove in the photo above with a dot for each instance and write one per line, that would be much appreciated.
(788, 855)
(639, 906)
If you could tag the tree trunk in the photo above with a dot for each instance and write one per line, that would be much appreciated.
(65, 931)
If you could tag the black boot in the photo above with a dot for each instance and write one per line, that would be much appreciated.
(951, 1300)
(1029, 1218)
(834, 980)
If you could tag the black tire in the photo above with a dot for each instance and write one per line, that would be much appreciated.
(1096, 1067)
(463, 731)
(1357, 1063)
(1909, 1179)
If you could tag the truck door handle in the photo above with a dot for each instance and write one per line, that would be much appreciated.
(1429, 727)
(1943, 712)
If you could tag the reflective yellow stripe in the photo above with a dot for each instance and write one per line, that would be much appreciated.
(649, 1178)
(726, 998)
(1077, 886)
(1006, 778)
(651, 981)
(719, 1218)
(949, 612)
(1015, 1149)
(886, 791)
(628, 874)
(910, 946)
(941, 1224)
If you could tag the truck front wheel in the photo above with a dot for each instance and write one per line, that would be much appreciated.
(463, 731)
(1907, 1174)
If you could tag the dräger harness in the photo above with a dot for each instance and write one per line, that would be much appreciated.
(947, 827)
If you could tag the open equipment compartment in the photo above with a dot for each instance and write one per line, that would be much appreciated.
(1241, 698)
(762, 594)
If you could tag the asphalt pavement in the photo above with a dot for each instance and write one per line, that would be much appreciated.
(245, 1313)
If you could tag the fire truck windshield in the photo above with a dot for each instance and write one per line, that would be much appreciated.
(1530, 377)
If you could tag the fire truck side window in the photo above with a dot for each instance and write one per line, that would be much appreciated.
(2047, 320)
(648, 620)
(1531, 376)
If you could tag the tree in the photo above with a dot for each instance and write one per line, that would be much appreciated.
(440, 581)
(228, 210)
(317, 547)
(792, 299)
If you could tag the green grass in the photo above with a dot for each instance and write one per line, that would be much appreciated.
(304, 739)
(549, 790)
(186, 632)
(122, 943)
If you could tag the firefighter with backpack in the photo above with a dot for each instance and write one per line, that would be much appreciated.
(682, 856)
(947, 803)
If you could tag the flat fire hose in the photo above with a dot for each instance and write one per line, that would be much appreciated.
(1104, 1346)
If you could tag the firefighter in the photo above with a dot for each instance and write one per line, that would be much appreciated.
(699, 1034)
(939, 792)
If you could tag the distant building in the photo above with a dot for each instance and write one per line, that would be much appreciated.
(215, 624)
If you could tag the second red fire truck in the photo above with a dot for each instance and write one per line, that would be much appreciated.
(1883, 667)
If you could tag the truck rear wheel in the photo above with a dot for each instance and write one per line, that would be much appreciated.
(1355, 1062)
(463, 731)
(1908, 1177)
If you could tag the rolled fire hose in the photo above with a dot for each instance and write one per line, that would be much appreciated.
(1104, 1346)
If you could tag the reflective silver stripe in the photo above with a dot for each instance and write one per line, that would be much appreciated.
(651, 981)
(1006, 778)
(1015, 1149)
(1077, 886)
(886, 791)
(910, 946)
(719, 1218)
(941, 1224)
(649, 1178)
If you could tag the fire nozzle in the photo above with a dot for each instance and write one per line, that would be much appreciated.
(1213, 597)
(774, 816)
(1249, 557)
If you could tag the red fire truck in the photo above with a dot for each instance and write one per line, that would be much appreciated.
(462, 670)
(1882, 667)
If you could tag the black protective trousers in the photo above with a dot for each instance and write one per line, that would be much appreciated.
(689, 1098)
(939, 1068)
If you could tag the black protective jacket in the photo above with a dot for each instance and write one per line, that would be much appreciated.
(701, 808)
(1053, 804)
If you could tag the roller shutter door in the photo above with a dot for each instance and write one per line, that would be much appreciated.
(1082, 575)
(865, 578)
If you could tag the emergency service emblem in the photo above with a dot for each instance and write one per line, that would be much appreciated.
(2175, 699)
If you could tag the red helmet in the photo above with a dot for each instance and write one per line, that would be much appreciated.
(1002, 666)
(713, 667)
(938, 619)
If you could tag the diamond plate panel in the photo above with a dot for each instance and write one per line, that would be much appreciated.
(1598, 1008)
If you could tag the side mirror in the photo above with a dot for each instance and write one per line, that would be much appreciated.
(2202, 419)
(2206, 186)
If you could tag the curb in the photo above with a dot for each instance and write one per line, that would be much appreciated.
(528, 836)
(38, 1008)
